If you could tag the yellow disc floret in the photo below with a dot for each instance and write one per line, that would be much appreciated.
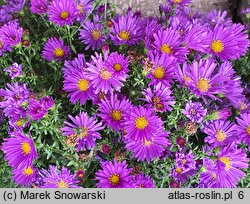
(64, 15)
(217, 46)
(116, 115)
(203, 84)
(141, 123)
(83, 85)
(124, 35)
(226, 161)
(58, 52)
(26, 148)
(166, 49)
(114, 179)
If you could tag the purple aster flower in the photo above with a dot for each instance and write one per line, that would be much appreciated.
(11, 33)
(243, 128)
(36, 110)
(240, 35)
(102, 77)
(152, 26)
(228, 42)
(54, 178)
(19, 150)
(179, 2)
(168, 42)
(128, 29)
(204, 80)
(24, 175)
(163, 70)
(15, 96)
(233, 90)
(78, 63)
(141, 123)
(185, 166)
(174, 184)
(245, 10)
(181, 141)
(17, 124)
(218, 17)
(114, 175)
(5, 15)
(142, 181)
(181, 24)
(112, 111)
(194, 111)
(220, 133)
(83, 7)
(4, 46)
(91, 34)
(225, 171)
(54, 49)
(63, 12)
(47, 101)
(196, 38)
(76, 82)
(184, 75)
(14, 70)
(16, 5)
(149, 149)
(160, 98)
(119, 64)
(105, 148)
(222, 114)
(39, 6)
(85, 128)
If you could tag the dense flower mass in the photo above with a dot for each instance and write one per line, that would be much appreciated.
(94, 98)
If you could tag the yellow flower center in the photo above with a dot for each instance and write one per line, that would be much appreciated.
(203, 85)
(96, 34)
(217, 46)
(141, 123)
(64, 15)
(101, 96)
(183, 161)
(114, 179)
(156, 100)
(19, 123)
(186, 79)
(226, 161)
(166, 48)
(221, 136)
(178, 170)
(213, 175)
(159, 72)
(147, 143)
(28, 171)
(84, 132)
(177, 1)
(117, 67)
(26, 148)
(105, 74)
(83, 85)
(248, 130)
(58, 52)
(192, 111)
(62, 184)
(124, 35)
(116, 115)
(1, 44)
